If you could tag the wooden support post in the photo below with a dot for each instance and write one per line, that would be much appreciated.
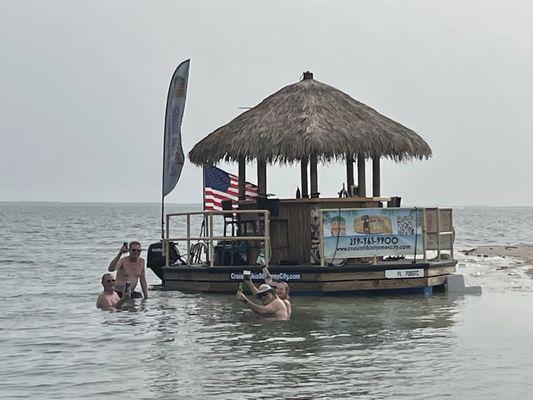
(452, 237)
(438, 234)
(211, 245)
(242, 178)
(376, 180)
(303, 175)
(267, 242)
(361, 179)
(424, 241)
(188, 239)
(262, 178)
(321, 244)
(314, 176)
(349, 173)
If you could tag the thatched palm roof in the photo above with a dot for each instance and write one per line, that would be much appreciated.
(309, 118)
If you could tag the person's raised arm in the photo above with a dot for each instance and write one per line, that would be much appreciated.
(266, 276)
(249, 284)
(114, 261)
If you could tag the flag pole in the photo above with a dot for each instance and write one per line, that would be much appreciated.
(164, 165)
(163, 246)
(203, 198)
(163, 196)
(203, 187)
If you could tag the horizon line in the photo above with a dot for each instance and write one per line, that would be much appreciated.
(199, 204)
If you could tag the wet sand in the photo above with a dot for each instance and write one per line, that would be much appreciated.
(523, 252)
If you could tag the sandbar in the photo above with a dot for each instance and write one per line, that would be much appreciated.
(523, 252)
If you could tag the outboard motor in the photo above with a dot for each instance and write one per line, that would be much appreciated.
(156, 259)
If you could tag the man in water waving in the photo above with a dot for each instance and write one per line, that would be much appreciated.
(272, 308)
(129, 269)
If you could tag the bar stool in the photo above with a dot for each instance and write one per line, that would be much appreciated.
(229, 218)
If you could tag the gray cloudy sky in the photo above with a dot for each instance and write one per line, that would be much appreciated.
(84, 88)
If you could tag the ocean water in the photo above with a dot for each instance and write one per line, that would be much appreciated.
(54, 343)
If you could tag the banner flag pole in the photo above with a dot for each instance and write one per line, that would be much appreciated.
(173, 156)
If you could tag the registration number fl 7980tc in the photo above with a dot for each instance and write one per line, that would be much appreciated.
(404, 273)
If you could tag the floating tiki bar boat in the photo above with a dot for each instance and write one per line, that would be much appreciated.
(319, 245)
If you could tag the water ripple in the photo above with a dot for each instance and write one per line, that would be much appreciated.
(56, 345)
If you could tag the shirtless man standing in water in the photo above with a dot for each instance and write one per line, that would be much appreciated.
(129, 268)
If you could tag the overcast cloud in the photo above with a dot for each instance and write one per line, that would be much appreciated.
(84, 86)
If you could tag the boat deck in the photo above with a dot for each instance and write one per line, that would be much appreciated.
(312, 279)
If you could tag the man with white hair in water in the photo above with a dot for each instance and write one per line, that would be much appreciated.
(273, 307)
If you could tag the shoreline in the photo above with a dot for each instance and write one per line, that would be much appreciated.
(523, 252)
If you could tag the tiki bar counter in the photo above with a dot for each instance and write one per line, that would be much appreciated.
(348, 243)
(294, 227)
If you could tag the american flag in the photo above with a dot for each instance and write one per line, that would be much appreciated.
(220, 185)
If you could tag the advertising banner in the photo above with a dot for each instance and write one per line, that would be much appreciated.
(173, 157)
(369, 232)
